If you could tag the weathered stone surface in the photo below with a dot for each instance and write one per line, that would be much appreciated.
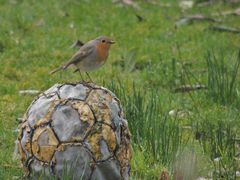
(78, 91)
(44, 143)
(76, 131)
(66, 119)
(39, 109)
(109, 169)
(39, 169)
(74, 161)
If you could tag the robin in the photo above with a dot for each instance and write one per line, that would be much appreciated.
(90, 56)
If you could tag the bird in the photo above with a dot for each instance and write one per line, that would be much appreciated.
(90, 56)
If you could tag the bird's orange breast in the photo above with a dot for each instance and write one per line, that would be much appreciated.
(102, 52)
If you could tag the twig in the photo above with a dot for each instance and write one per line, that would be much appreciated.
(210, 2)
(233, 1)
(127, 3)
(29, 92)
(205, 3)
(235, 12)
(224, 29)
(10, 166)
(192, 18)
(188, 88)
(77, 44)
(140, 18)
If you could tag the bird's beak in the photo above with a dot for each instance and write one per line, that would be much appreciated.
(111, 42)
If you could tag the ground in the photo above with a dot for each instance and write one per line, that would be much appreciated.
(171, 132)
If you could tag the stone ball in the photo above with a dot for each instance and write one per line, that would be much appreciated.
(75, 130)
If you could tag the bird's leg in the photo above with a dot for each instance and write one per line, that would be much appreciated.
(89, 77)
(81, 75)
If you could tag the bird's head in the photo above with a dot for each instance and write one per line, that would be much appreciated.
(104, 41)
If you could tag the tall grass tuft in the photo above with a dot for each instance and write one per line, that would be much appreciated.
(222, 80)
(219, 143)
(152, 129)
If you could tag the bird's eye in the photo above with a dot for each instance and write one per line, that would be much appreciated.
(103, 41)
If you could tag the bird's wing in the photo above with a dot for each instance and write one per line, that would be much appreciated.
(80, 54)
(84, 51)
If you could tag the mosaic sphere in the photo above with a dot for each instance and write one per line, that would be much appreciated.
(77, 131)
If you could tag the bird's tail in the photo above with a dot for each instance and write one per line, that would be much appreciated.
(59, 68)
(56, 70)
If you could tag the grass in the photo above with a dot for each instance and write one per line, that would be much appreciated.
(219, 141)
(222, 81)
(150, 59)
(156, 132)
